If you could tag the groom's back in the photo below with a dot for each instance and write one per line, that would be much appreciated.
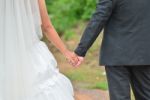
(130, 14)
(127, 33)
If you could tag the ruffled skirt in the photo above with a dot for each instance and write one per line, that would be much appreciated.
(49, 84)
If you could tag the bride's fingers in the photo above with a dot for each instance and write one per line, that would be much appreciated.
(75, 60)
(72, 59)
(72, 62)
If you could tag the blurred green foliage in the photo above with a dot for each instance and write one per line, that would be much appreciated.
(65, 14)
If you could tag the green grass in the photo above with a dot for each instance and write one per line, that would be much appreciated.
(76, 76)
(101, 85)
(88, 77)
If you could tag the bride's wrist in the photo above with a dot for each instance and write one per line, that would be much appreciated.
(65, 51)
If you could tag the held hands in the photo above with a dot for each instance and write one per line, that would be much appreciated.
(73, 59)
(80, 60)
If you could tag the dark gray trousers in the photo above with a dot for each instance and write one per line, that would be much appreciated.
(122, 78)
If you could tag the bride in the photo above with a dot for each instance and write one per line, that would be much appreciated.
(28, 70)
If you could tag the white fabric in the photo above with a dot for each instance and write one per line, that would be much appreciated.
(28, 70)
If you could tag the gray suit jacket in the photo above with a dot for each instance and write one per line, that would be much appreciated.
(126, 26)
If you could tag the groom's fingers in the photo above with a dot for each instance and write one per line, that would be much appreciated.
(80, 61)
(78, 64)
(75, 60)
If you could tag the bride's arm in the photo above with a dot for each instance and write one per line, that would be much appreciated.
(51, 33)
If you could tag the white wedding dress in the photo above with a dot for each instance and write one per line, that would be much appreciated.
(28, 70)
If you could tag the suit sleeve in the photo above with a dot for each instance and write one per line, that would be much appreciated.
(103, 12)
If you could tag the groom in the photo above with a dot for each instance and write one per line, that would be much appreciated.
(125, 50)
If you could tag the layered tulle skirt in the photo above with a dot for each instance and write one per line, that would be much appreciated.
(49, 84)
(28, 70)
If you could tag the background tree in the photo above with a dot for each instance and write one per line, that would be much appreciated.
(65, 14)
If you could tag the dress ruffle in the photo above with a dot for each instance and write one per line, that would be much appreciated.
(49, 83)
(28, 70)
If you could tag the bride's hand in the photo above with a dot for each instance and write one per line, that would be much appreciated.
(71, 57)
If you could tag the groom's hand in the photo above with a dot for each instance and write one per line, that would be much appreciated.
(74, 59)
(80, 60)
(71, 58)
